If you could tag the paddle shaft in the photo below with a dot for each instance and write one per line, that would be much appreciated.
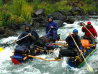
(22, 38)
(43, 58)
(59, 44)
(17, 40)
(78, 48)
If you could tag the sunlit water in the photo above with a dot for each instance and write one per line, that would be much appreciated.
(38, 66)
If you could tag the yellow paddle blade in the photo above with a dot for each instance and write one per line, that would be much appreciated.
(89, 68)
(1, 49)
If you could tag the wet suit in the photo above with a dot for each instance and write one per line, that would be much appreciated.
(71, 50)
(52, 31)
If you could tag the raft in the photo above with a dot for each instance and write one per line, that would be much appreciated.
(80, 62)
(43, 45)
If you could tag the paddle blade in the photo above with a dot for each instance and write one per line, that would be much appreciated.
(1, 49)
(89, 68)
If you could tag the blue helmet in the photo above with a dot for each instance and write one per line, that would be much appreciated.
(75, 30)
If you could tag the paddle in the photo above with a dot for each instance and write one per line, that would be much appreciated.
(42, 58)
(13, 42)
(46, 50)
(59, 44)
(88, 66)
(1, 49)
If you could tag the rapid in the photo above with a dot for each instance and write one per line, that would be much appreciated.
(38, 66)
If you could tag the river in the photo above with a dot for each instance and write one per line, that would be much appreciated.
(37, 66)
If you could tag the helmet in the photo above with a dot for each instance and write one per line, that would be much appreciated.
(89, 23)
(75, 30)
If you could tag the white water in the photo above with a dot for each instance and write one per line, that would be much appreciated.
(38, 66)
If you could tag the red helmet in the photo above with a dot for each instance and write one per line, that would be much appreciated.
(89, 23)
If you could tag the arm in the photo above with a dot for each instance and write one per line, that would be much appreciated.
(35, 35)
(32, 37)
(94, 32)
(68, 39)
(56, 26)
(83, 28)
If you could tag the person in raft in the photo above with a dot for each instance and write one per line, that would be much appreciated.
(71, 50)
(30, 39)
(51, 28)
(87, 34)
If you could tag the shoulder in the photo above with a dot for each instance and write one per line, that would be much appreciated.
(23, 32)
(33, 31)
(78, 36)
(47, 24)
(54, 22)
(93, 27)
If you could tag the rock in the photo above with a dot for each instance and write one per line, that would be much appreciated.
(77, 11)
(57, 16)
(14, 26)
(36, 24)
(68, 13)
(22, 27)
(69, 20)
(39, 21)
(92, 13)
(62, 12)
(59, 22)
(8, 33)
(1, 31)
(44, 23)
(39, 12)
(80, 23)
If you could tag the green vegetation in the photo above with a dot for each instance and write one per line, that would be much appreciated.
(18, 11)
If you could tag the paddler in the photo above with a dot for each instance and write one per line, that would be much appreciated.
(29, 40)
(51, 28)
(87, 33)
(72, 50)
